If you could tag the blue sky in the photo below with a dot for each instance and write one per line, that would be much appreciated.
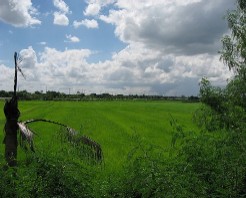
(116, 46)
(101, 39)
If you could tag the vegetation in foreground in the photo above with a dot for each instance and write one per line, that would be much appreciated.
(147, 153)
(210, 163)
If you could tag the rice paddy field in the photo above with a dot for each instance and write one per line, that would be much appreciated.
(113, 124)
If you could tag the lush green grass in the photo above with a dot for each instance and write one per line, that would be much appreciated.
(112, 124)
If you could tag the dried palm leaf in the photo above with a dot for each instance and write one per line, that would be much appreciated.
(87, 145)
(84, 144)
(26, 135)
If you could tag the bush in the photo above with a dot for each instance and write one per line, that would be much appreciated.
(46, 176)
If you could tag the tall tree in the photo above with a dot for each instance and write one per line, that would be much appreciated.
(234, 53)
(224, 113)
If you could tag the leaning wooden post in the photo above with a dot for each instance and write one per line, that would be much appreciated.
(12, 114)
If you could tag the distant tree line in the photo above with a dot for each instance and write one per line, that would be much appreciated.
(54, 95)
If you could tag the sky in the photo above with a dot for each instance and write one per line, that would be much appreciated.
(151, 47)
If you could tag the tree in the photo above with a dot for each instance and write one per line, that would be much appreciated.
(234, 46)
(224, 113)
(12, 127)
(233, 53)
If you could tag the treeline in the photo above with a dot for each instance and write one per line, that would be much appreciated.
(53, 95)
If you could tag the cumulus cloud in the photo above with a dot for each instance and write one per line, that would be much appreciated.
(72, 39)
(171, 45)
(61, 5)
(133, 70)
(191, 28)
(64, 58)
(57, 65)
(18, 13)
(92, 9)
(158, 73)
(87, 23)
(53, 68)
(60, 17)
(7, 73)
(94, 6)
(28, 57)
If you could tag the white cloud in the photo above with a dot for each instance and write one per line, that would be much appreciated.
(60, 19)
(87, 23)
(6, 77)
(19, 13)
(180, 41)
(156, 73)
(171, 45)
(193, 27)
(72, 39)
(94, 6)
(42, 43)
(61, 5)
(92, 9)
(64, 58)
(132, 70)
(52, 68)
(28, 57)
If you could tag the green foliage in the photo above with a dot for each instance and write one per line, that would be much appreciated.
(45, 175)
(224, 108)
(234, 46)
(8, 181)
(234, 54)
(52, 178)
(236, 92)
(211, 96)
(219, 158)
(205, 165)
(218, 163)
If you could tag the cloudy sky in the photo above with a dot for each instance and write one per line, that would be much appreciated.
(159, 47)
